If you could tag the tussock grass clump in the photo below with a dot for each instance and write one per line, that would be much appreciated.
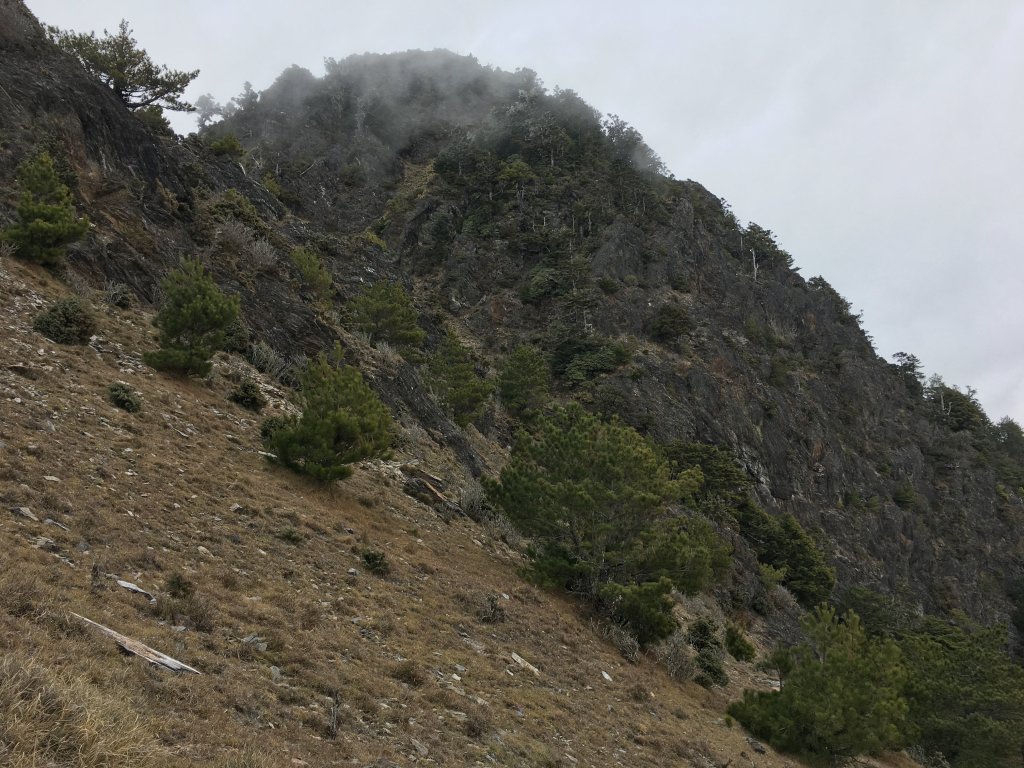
(51, 719)
(407, 672)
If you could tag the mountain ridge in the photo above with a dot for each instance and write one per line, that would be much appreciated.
(516, 215)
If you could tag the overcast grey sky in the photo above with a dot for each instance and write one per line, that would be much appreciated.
(882, 142)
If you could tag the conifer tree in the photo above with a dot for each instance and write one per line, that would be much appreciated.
(120, 64)
(385, 312)
(456, 382)
(193, 319)
(524, 383)
(593, 495)
(585, 487)
(342, 421)
(841, 693)
(47, 223)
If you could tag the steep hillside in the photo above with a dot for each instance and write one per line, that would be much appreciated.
(517, 215)
(259, 582)
(511, 216)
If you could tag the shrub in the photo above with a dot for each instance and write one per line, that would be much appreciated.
(625, 642)
(67, 321)
(675, 654)
(524, 382)
(248, 395)
(273, 424)
(541, 283)
(46, 223)
(644, 609)
(236, 337)
(904, 495)
(313, 271)
(124, 397)
(289, 535)
(385, 312)
(119, 295)
(179, 586)
(737, 644)
(193, 319)
(473, 502)
(153, 118)
(227, 146)
(710, 672)
(342, 421)
(265, 359)
(670, 321)
(703, 634)
(376, 562)
(407, 672)
(492, 611)
(602, 358)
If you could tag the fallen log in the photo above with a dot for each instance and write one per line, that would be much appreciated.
(141, 649)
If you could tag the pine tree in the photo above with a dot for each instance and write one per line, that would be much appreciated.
(585, 486)
(841, 693)
(385, 312)
(966, 695)
(193, 319)
(456, 382)
(524, 383)
(118, 62)
(342, 421)
(47, 223)
(593, 496)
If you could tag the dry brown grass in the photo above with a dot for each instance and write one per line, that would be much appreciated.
(60, 719)
(301, 661)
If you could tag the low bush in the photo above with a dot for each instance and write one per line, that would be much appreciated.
(67, 321)
(119, 295)
(376, 562)
(227, 146)
(124, 397)
(737, 644)
(703, 636)
(644, 609)
(248, 395)
(314, 273)
(676, 656)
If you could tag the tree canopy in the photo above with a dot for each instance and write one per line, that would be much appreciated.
(193, 320)
(840, 695)
(342, 421)
(594, 495)
(119, 63)
(47, 222)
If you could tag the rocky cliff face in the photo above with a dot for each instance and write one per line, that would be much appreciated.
(513, 214)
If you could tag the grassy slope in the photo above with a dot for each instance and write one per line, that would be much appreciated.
(369, 670)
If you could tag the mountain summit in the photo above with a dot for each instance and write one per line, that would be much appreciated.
(574, 347)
